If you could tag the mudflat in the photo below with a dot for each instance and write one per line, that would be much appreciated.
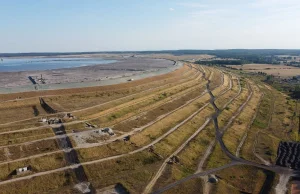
(123, 68)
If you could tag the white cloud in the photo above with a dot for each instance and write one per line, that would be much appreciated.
(171, 9)
(192, 5)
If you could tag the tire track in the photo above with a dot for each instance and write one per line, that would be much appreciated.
(160, 171)
(111, 157)
(235, 160)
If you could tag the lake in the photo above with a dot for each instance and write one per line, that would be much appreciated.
(32, 64)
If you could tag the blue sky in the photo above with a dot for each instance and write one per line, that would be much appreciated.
(110, 25)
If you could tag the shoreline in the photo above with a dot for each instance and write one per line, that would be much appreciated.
(114, 75)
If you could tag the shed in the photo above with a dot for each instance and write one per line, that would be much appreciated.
(23, 169)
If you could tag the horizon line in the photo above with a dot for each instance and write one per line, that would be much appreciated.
(137, 51)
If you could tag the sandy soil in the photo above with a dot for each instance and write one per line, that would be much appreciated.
(124, 67)
(87, 137)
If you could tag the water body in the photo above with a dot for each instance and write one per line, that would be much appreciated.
(4, 90)
(34, 64)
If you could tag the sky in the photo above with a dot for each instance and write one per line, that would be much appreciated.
(136, 25)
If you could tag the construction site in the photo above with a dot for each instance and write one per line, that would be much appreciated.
(197, 129)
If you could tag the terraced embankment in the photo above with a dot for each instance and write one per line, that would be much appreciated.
(162, 131)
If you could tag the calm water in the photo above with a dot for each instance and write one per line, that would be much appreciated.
(27, 64)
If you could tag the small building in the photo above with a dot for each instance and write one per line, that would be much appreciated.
(23, 170)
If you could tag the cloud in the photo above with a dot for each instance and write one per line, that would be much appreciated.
(171, 9)
(192, 5)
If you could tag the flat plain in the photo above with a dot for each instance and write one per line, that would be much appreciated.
(276, 70)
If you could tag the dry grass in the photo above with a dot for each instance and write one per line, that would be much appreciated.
(261, 67)
(194, 151)
(172, 120)
(137, 92)
(24, 109)
(42, 184)
(21, 125)
(23, 136)
(277, 70)
(143, 138)
(156, 112)
(26, 150)
(220, 102)
(232, 107)
(218, 158)
(263, 115)
(148, 134)
(267, 146)
(19, 104)
(133, 171)
(223, 87)
(40, 164)
(192, 186)
(241, 178)
(280, 128)
(156, 95)
(126, 110)
(189, 159)
(169, 144)
(136, 170)
(20, 113)
(224, 187)
(112, 149)
(236, 131)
